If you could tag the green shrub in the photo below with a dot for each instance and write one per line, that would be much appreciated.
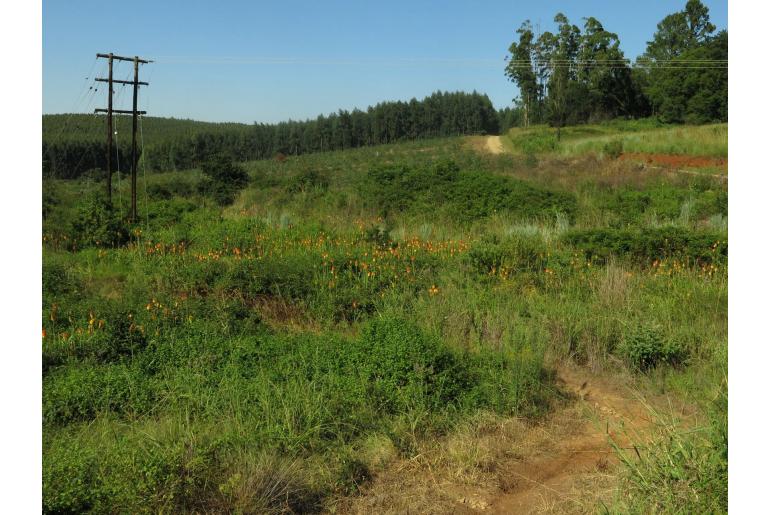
(645, 347)
(169, 212)
(695, 247)
(380, 236)
(57, 280)
(69, 473)
(168, 189)
(116, 339)
(517, 254)
(98, 224)
(464, 196)
(408, 368)
(613, 149)
(222, 179)
(81, 392)
(307, 180)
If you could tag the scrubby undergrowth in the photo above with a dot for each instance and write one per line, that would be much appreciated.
(273, 354)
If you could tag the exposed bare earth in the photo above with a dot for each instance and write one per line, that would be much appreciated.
(552, 481)
(563, 465)
(676, 161)
(494, 145)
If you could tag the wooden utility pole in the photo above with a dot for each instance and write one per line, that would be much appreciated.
(134, 112)
(133, 141)
(109, 132)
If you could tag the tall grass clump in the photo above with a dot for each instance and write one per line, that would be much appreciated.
(678, 469)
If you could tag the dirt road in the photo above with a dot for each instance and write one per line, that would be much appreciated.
(494, 145)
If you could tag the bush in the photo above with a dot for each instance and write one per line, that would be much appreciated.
(223, 179)
(407, 368)
(307, 180)
(465, 196)
(169, 189)
(380, 236)
(613, 149)
(169, 212)
(98, 224)
(57, 280)
(81, 392)
(117, 340)
(645, 347)
(69, 473)
(650, 244)
(518, 254)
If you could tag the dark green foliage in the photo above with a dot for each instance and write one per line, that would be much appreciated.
(171, 211)
(69, 477)
(650, 244)
(182, 144)
(50, 199)
(118, 339)
(517, 255)
(132, 476)
(70, 154)
(689, 94)
(380, 236)
(590, 84)
(646, 347)
(289, 277)
(98, 224)
(465, 196)
(307, 180)
(167, 190)
(80, 392)
(407, 368)
(223, 179)
(677, 90)
(57, 280)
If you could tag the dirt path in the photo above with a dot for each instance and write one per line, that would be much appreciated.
(667, 163)
(557, 479)
(564, 464)
(494, 145)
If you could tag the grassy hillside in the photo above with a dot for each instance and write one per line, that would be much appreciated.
(640, 136)
(351, 307)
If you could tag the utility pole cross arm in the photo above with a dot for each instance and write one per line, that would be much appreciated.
(116, 81)
(118, 111)
(121, 58)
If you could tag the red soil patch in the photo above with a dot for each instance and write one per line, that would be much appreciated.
(676, 161)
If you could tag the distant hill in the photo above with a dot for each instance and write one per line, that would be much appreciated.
(74, 144)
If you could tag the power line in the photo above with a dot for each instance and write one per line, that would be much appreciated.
(456, 62)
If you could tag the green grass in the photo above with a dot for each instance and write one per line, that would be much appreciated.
(636, 136)
(248, 358)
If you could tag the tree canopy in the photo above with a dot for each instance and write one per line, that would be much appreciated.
(572, 76)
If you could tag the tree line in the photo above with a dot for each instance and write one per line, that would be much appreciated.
(71, 148)
(565, 77)
(574, 76)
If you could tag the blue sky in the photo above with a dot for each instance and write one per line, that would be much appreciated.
(270, 61)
